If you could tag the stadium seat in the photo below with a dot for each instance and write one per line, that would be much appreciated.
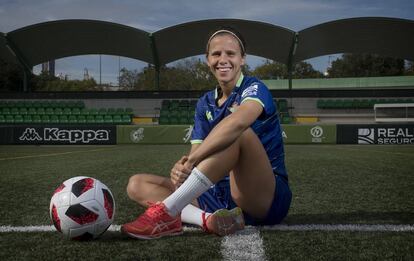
(5, 111)
(99, 119)
(36, 119)
(58, 111)
(9, 118)
(14, 111)
(49, 111)
(63, 119)
(117, 119)
(54, 119)
(32, 111)
(76, 111)
(93, 111)
(129, 111)
(120, 111)
(111, 111)
(102, 111)
(90, 119)
(108, 119)
(18, 119)
(72, 119)
(126, 119)
(45, 119)
(67, 111)
(81, 119)
(27, 118)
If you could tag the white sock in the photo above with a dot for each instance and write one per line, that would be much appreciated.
(193, 215)
(195, 185)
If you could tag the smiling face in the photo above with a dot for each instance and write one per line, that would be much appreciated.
(225, 59)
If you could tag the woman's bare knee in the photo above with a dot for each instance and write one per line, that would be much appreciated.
(135, 183)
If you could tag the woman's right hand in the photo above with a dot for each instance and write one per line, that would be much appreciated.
(179, 173)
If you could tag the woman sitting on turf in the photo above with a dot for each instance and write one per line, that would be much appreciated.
(235, 172)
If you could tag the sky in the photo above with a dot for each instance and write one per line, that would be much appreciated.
(153, 15)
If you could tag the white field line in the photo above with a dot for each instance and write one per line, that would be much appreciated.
(303, 227)
(243, 245)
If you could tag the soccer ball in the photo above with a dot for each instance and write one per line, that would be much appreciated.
(82, 208)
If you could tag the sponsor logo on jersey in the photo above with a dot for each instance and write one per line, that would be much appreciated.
(209, 116)
(250, 91)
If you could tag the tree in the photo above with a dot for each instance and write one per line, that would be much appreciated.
(271, 70)
(305, 70)
(128, 80)
(366, 65)
(11, 76)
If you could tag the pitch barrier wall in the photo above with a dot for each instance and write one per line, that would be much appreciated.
(180, 134)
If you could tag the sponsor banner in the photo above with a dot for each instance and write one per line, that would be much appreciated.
(164, 134)
(376, 134)
(61, 134)
(309, 134)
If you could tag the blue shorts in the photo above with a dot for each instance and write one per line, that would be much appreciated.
(219, 197)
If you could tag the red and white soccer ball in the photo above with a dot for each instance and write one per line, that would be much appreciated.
(82, 208)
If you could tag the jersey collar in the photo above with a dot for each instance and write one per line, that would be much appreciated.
(239, 82)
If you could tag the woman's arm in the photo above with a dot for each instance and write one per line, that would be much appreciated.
(226, 132)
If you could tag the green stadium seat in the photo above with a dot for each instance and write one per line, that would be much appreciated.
(67, 111)
(5, 111)
(76, 111)
(99, 119)
(14, 111)
(54, 119)
(49, 111)
(3, 104)
(19, 104)
(45, 119)
(320, 104)
(23, 111)
(18, 119)
(102, 111)
(40, 111)
(36, 119)
(126, 119)
(84, 111)
(129, 111)
(72, 119)
(36, 104)
(9, 118)
(111, 111)
(58, 111)
(120, 111)
(81, 119)
(63, 119)
(117, 118)
(93, 111)
(27, 118)
(90, 119)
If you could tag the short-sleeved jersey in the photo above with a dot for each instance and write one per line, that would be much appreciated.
(267, 126)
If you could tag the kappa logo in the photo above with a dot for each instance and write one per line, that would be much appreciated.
(72, 136)
(366, 136)
(30, 134)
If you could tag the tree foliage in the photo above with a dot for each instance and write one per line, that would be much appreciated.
(366, 65)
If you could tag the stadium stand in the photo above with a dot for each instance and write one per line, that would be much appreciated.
(60, 112)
